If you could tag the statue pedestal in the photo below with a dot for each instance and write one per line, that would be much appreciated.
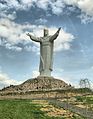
(37, 87)
(44, 83)
(45, 73)
(44, 76)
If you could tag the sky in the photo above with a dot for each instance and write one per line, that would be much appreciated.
(19, 56)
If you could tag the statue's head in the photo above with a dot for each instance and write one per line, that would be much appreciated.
(46, 32)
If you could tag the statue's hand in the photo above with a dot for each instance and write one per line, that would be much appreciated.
(59, 28)
(28, 34)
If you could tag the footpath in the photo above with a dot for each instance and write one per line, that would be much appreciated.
(78, 110)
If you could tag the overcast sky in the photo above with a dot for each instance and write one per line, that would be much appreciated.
(73, 51)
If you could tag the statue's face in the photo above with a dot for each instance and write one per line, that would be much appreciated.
(45, 32)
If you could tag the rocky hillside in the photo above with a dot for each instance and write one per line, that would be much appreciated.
(39, 83)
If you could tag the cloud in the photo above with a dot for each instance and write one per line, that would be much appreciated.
(0, 69)
(41, 21)
(86, 7)
(63, 41)
(56, 6)
(10, 30)
(15, 4)
(85, 18)
(35, 73)
(5, 14)
(6, 81)
(13, 47)
(92, 67)
(33, 48)
(42, 4)
(69, 80)
(66, 80)
(12, 34)
(60, 70)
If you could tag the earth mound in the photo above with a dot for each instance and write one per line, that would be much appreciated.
(39, 83)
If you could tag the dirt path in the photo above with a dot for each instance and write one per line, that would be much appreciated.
(81, 111)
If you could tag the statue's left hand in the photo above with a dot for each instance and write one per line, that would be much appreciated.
(59, 28)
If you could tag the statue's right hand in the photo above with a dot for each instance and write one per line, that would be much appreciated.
(28, 34)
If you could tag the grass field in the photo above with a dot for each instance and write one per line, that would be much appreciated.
(27, 109)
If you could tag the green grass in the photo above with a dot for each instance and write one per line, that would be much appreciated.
(23, 109)
(88, 100)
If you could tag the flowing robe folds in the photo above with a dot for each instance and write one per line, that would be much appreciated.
(46, 53)
(46, 56)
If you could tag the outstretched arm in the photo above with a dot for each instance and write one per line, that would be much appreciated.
(33, 38)
(53, 37)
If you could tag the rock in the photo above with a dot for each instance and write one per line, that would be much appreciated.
(39, 83)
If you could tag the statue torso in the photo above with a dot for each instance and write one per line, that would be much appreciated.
(45, 41)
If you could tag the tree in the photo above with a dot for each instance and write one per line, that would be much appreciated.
(84, 83)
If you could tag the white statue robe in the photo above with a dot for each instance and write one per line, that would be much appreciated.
(46, 53)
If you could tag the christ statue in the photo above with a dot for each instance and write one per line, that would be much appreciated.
(46, 51)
